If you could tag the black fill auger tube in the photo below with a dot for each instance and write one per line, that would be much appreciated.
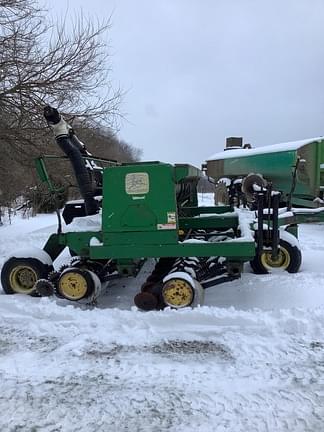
(73, 150)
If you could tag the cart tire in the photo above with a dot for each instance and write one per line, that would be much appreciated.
(19, 275)
(289, 259)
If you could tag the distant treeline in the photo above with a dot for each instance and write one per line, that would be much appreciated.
(66, 65)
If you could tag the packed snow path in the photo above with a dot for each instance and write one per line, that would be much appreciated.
(252, 359)
(63, 369)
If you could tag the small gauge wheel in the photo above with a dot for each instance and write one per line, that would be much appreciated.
(289, 259)
(75, 284)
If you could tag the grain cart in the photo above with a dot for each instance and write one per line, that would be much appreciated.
(145, 210)
(296, 169)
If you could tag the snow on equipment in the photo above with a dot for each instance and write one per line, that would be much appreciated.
(296, 169)
(134, 211)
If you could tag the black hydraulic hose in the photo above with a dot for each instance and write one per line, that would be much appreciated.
(97, 173)
(79, 145)
(81, 173)
(73, 151)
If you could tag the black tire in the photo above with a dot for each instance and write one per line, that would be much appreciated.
(18, 275)
(289, 259)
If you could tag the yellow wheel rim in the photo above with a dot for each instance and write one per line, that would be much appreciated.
(281, 262)
(73, 285)
(22, 279)
(177, 293)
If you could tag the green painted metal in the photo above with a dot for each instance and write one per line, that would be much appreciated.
(195, 211)
(128, 266)
(278, 167)
(184, 171)
(140, 219)
(140, 199)
(78, 242)
(136, 237)
(44, 177)
(53, 246)
(298, 216)
(218, 222)
(232, 249)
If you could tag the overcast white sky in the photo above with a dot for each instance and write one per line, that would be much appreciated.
(197, 71)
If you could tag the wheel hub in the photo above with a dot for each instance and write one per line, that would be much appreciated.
(73, 285)
(177, 293)
(282, 261)
(22, 279)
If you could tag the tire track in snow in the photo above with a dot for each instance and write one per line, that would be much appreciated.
(63, 369)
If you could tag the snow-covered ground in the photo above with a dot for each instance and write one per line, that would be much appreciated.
(251, 359)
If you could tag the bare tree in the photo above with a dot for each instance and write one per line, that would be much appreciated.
(42, 62)
(103, 142)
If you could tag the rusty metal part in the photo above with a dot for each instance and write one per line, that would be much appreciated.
(146, 301)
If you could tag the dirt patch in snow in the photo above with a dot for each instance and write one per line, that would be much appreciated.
(172, 349)
(192, 348)
(13, 339)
